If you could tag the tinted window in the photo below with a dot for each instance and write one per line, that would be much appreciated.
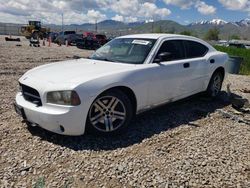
(100, 36)
(195, 49)
(69, 32)
(175, 48)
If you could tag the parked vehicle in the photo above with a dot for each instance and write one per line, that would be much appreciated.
(62, 36)
(53, 36)
(237, 45)
(73, 38)
(126, 76)
(34, 29)
(102, 39)
(88, 34)
(110, 38)
(87, 43)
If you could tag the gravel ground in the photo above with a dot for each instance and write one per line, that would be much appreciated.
(190, 143)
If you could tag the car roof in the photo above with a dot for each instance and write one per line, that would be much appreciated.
(156, 36)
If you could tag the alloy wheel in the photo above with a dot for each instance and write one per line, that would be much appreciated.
(216, 86)
(107, 113)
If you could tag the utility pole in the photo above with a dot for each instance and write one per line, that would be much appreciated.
(152, 26)
(5, 29)
(153, 20)
(62, 22)
(96, 26)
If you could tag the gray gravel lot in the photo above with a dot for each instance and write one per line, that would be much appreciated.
(189, 143)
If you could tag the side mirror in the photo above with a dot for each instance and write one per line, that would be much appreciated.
(164, 56)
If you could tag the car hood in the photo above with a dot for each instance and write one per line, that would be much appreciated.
(74, 71)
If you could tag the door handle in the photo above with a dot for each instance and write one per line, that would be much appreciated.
(186, 65)
(212, 61)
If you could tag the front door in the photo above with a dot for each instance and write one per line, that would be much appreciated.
(168, 79)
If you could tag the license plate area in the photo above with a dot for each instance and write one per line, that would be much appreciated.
(20, 111)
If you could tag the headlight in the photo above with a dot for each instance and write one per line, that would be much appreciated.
(63, 98)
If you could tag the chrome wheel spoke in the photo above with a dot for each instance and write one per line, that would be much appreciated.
(96, 118)
(216, 85)
(98, 104)
(106, 123)
(113, 99)
(119, 115)
(110, 124)
(114, 105)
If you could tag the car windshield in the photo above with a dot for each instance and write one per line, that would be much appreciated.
(125, 50)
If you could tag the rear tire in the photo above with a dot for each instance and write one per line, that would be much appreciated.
(215, 84)
(110, 113)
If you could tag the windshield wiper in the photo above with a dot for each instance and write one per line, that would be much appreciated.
(106, 59)
(103, 59)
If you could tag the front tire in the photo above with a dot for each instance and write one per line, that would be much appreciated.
(110, 113)
(215, 84)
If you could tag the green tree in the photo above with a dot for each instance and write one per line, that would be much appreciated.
(235, 37)
(188, 33)
(212, 34)
(158, 29)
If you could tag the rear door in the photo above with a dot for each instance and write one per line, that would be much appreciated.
(197, 73)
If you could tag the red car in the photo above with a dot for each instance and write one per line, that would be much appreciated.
(100, 38)
(88, 34)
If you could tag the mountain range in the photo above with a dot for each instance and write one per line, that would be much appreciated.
(110, 27)
(219, 22)
(240, 28)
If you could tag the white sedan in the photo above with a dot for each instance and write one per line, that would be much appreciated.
(128, 75)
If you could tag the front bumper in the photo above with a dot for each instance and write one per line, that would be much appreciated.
(52, 117)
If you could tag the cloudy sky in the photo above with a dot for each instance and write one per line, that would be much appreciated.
(87, 11)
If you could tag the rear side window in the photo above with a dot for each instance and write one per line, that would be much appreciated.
(69, 32)
(175, 47)
(195, 49)
(100, 36)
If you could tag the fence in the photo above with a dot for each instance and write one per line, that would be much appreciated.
(9, 29)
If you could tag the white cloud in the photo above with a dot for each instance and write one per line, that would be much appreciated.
(95, 16)
(125, 7)
(205, 9)
(50, 11)
(139, 10)
(131, 19)
(79, 11)
(150, 10)
(118, 18)
(241, 5)
(184, 4)
(201, 6)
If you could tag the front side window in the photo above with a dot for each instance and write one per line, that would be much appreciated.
(195, 49)
(125, 50)
(174, 48)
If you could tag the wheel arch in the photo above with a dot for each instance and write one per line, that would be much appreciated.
(221, 70)
(128, 91)
(218, 69)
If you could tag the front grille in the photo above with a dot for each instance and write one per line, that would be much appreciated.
(31, 95)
